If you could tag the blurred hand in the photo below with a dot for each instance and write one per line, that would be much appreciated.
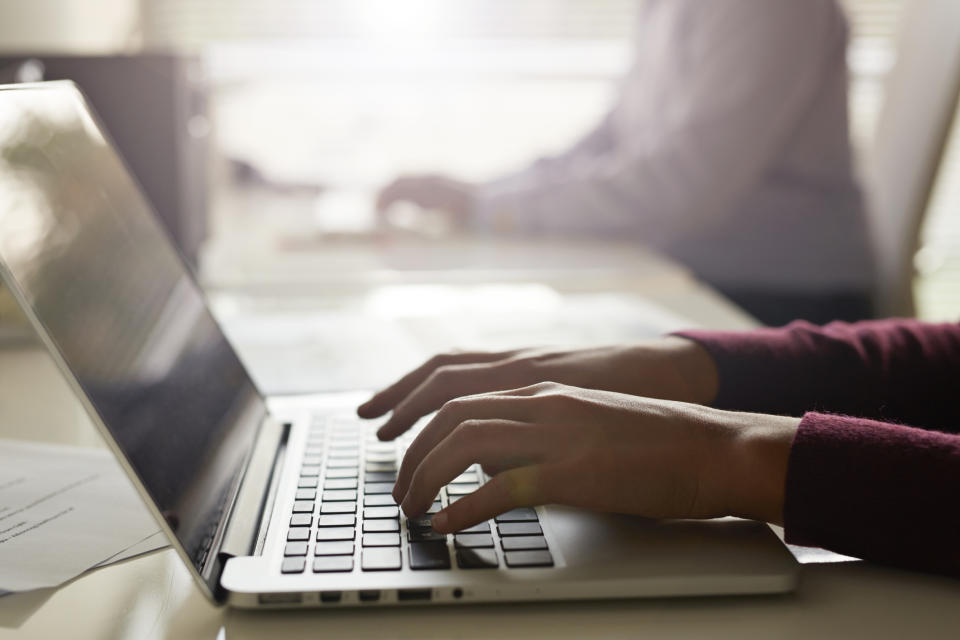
(435, 192)
(669, 368)
(599, 450)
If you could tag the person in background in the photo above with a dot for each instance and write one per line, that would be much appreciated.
(801, 426)
(727, 150)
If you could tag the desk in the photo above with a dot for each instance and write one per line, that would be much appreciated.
(154, 596)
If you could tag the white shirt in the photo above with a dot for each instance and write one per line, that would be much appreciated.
(727, 149)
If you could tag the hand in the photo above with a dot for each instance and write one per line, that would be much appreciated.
(599, 450)
(454, 197)
(669, 368)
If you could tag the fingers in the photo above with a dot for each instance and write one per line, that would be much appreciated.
(393, 192)
(444, 384)
(422, 190)
(520, 487)
(485, 407)
(390, 397)
(504, 443)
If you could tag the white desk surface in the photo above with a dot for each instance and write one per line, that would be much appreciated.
(154, 596)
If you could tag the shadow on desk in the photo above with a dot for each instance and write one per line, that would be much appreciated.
(16, 608)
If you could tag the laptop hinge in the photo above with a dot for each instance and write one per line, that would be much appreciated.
(247, 512)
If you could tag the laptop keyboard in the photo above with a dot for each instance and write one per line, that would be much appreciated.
(344, 518)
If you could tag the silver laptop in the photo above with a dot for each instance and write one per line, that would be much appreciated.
(282, 502)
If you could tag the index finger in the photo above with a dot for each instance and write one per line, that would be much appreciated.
(390, 397)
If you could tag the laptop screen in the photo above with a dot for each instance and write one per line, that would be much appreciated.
(83, 250)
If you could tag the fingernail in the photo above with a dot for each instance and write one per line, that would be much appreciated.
(439, 521)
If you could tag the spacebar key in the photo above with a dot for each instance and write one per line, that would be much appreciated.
(380, 559)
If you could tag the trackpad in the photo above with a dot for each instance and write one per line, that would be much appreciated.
(632, 546)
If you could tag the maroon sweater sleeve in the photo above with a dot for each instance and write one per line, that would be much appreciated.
(877, 491)
(892, 370)
(880, 491)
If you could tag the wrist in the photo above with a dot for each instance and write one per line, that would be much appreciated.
(695, 370)
(755, 466)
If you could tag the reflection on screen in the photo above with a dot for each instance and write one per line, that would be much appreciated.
(84, 249)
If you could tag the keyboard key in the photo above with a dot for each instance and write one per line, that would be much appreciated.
(380, 559)
(424, 535)
(301, 520)
(332, 564)
(473, 541)
(345, 495)
(519, 529)
(385, 458)
(328, 534)
(339, 484)
(518, 515)
(461, 489)
(338, 507)
(303, 506)
(337, 520)
(381, 513)
(293, 565)
(315, 450)
(381, 539)
(434, 508)
(420, 522)
(307, 483)
(310, 471)
(343, 473)
(295, 549)
(465, 478)
(483, 527)
(517, 559)
(477, 559)
(344, 453)
(333, 548)
(342, 463)
(376, 446)
(380, 476)
(523, 543)
(312, 461)
(306, 494)
(426, 556)
(381, 526)
(298, 534)
(374, 467)
(373, 488)
(379, 500)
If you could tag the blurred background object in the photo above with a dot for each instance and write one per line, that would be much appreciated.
(154, 106)
(313, 104)
(911, 137)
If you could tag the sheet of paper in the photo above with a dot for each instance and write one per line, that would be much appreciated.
(63, 510)
(152, 542)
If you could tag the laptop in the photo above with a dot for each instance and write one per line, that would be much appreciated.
(282, 502)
